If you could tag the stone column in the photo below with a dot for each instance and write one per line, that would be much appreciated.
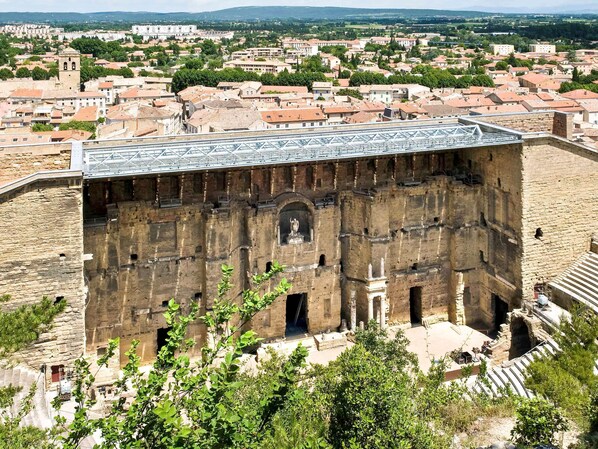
(382, 312)
(370, 308)
(458, 306)
(353, 306)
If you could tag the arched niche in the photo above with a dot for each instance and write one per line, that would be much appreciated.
(295, 224)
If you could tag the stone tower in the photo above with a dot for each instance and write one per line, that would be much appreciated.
(69, 69)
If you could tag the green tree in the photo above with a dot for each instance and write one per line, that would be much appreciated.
(209, 48)
(567, 378)
(180, 404)
(6, 74)
(350, 93)
(23, 72)
(537, 423)
(19, 327)
(41, 127)
(76, 124)
(502, 65)
(39, 74)
(93, 46)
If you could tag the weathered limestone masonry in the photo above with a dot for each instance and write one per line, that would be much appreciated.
(41, 254)
(559, 206)
(461, 235)
(442, 232)
(551, 122)
(23, 160)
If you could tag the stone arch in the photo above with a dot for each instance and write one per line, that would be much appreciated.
(521, 341)
(297, 213)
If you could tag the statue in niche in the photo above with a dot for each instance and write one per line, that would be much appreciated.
(294, 237)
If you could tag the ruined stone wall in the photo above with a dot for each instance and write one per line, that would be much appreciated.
(41, 254)
(498, 246)
(558, 123)
(19, 161)
(560, 208)
(449, 223)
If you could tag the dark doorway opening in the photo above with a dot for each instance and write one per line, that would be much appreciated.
(162, 336)
(501, 308)
(415, 305)
(296, 315)
(520, 341)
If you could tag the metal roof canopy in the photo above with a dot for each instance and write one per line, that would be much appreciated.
(275, 149)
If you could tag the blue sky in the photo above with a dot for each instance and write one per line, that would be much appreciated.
(207, 5)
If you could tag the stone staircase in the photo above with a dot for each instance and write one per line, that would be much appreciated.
(580, 281)
(512, 374)
(21, 376)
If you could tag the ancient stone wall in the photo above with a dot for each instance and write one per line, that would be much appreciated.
(19, 161)
(551, 122)
(41, 254)
(560, 208)
(156, 238)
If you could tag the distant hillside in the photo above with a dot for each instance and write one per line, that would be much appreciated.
(330, 13)
(246, 13)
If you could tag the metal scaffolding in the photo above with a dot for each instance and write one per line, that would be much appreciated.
(276, 148)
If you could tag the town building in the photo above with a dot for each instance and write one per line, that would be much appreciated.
(164, 32)
(69, 69)
(502, 49)
(266, 66)
(543, 48)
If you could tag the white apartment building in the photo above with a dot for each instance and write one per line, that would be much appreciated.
(106, 37)
(502, 49)
(258, 52)
(85, 99)
(542, 47)
(30, 30)
(303, 48)
(163, 32)
(249, 65)
(215, 35)
(389, 93)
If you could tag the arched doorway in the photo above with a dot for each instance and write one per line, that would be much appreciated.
(520, 341)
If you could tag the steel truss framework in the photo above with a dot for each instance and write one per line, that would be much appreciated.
(276, 149)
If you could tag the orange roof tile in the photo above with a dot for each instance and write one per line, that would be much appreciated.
(292, 115)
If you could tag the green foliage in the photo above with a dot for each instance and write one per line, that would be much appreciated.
(209, 48)
(19, 328)
(40, 74)
(87, 46)
(502, 65)
(191, 77)
(6, 74)
(23, 72)
(568, 378)
(313, 64)
(193, 405)
(516, 62)
(41, 127)
(350, 93)
(537, 423)
(22, 326)
(425, 76)
(580, 81)
(371, 396)
(592, 411)
(76, 124)
(90, 71)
